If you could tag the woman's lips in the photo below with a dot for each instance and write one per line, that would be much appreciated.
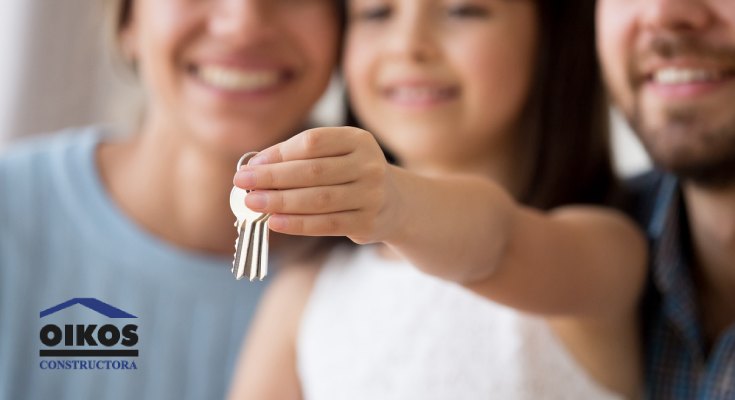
(239, 79)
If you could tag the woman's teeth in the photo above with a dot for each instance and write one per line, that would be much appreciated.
(237, 79)
(683, 76)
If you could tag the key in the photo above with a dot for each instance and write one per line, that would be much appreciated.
(246, 220)
(263, 263)
(258, 256)
(251, 246)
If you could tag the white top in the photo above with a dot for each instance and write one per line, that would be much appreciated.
(376, 328)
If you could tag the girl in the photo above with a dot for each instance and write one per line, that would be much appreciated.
(490, 107)
(142, 223)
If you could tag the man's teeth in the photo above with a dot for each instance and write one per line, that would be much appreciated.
(237, 79)
(683, 76)
(419, 94)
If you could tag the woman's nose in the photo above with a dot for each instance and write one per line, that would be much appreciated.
(246, 20)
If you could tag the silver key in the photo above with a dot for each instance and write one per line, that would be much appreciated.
(263, 259)
(246, 219)
(258, 261)
(251, 256)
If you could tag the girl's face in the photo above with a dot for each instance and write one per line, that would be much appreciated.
(232, 75)
(441, 82)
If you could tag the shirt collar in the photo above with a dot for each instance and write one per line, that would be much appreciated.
(671, 263)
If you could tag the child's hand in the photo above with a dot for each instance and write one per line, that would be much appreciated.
(329, 181)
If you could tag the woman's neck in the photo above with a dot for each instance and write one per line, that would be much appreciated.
(172, 188)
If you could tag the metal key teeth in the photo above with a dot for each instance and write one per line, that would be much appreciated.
(234, 256)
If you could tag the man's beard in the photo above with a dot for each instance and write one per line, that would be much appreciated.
(684, 140)
(712, 167)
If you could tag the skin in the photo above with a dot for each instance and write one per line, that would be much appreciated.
(687, 128)
(581, 267)
(194, 129)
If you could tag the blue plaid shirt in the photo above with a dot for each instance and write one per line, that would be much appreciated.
(678, 365)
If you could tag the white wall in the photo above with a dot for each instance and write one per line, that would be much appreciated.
(630, 156)
(51, 74)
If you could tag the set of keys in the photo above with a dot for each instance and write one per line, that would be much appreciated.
(251, 246)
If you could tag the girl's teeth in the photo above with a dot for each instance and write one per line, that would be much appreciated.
(237, 79)
(418, 94)
(682, 76)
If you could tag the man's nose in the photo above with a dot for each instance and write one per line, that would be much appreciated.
(682, 16)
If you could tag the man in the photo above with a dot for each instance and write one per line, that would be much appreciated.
(670, 67)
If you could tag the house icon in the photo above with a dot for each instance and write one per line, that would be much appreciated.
(93, 304)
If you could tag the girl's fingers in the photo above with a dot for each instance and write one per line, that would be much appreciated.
(334, 224)
(299, 173)
(313, 143)
(313, 200)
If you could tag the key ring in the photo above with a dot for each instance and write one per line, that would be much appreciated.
(244, 159)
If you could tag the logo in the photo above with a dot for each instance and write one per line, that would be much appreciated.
(112, 344)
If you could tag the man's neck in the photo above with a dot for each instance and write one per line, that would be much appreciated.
(711, 216)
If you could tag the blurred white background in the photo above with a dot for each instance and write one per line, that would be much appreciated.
(55, 73)
(51, 74)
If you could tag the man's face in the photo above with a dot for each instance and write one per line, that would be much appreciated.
(670, 66)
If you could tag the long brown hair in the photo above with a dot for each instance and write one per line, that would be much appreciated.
(566, 132)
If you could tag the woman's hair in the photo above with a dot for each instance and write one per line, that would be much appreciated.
(564, 126)
(117, 16)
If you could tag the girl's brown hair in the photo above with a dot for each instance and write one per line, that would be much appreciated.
(566, 119)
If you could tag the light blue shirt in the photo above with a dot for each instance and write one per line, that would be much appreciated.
(63, 238)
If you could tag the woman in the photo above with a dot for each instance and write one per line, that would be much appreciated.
(143, 223)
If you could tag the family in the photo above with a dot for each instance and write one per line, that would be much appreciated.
(464, 237)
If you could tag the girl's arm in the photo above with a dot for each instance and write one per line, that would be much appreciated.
(573, 262)
(266, 368)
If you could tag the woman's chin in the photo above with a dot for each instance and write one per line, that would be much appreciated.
(241, 139)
